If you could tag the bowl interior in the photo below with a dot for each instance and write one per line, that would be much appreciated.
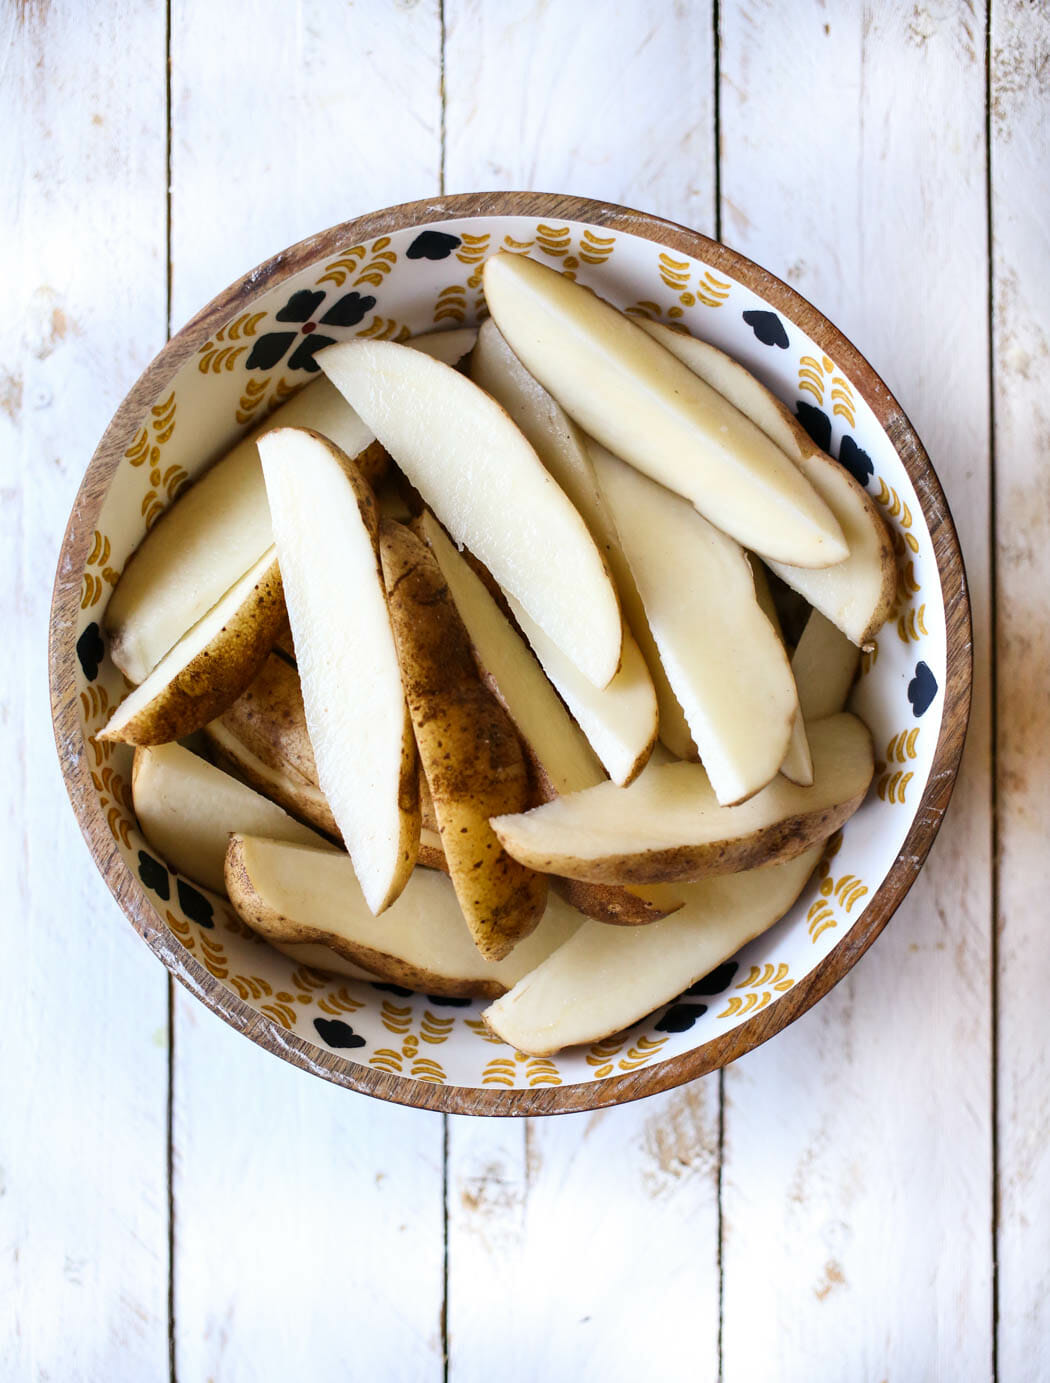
(416, 279)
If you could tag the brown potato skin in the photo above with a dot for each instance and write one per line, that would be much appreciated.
(262, 918)
(467, 745)
(217, 676)
(610, 903)
(689, 863)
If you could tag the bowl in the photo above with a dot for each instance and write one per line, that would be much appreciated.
(418, 267)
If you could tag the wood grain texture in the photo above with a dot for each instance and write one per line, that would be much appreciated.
(308, 1224)
(858, 1146)
(586, 1248)
(83, 1195)
(1020, 129)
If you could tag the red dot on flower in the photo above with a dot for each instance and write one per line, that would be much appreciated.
(310, 326)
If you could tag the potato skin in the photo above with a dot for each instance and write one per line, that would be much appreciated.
(264, 919)
(467, 745)
(217, 676)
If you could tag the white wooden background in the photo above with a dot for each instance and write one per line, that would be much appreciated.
(867, 1197)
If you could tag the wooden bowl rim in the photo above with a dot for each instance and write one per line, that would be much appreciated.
(674, 1071)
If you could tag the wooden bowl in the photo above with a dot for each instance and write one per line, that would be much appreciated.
(412, 268)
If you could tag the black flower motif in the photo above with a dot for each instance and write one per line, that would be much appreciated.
(816, 422)
(91, 650)
(768, 327)
(922, 689)
(433, 245)
(398, 989)
(856, 461)
(301, 308)
(446, 1001)
(154, 875)
(194, 904)
(717, 980)
(336, 1033)
(681, 1017)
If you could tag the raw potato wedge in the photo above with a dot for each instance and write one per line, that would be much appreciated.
(281, 784)
(621, 720)
(221, 526)
(465, 456)
(186, 808)
(561, 759)
(668, 825)
(637, 399)
(559, 445)
(559, 1004)
(467, 746)
(797, 764)
(725, 662)
(209, 667)
(856, 594)
(325, 522)
(825, 667)
(292, 895)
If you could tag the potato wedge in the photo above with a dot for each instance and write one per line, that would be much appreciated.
(559, 1004)
(221, 526)
(621, 720)
(465, 456)
(467, 747)
(209, 667)
(292, 895)
(280, 783)
(797, 763)
(856, 594)
(725, 662)
(186, 809)
(668, 826)
(634, 397)
(325, 524)
(825, 666)
(561, 759)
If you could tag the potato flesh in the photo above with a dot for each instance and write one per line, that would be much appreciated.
(620, 720)
(293, 895)
(221, 526)
(855, 594)
(187, 808)
(726, 664)
(634, 397)
(465, 457)
(797, 764)
(825, 666)
(668, 824)
(325, 524)
(209, 667)
(561, 448)
(604, 979)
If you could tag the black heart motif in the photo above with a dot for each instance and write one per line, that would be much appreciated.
(194, 904)
(816, 422)
(302, 358)
(154, 875)
(922, 689)
(300, 307)
(348, 311)
(337, 1033)
(397, 989)
(90, 650)
(856, 461)
(433, 245)
(717, 980)
(680, 1017)
(768, 327)
(269, 349)
(446, 1001)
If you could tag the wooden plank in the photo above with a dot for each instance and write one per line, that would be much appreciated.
(1020, 64)
(614, 104)
(857, 1171)
(83, 1082)
(308, 1221)
(574, 1222)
